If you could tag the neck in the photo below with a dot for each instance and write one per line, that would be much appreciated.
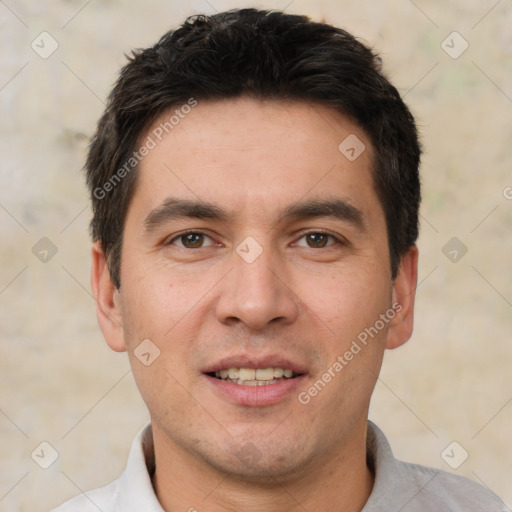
(185, 482)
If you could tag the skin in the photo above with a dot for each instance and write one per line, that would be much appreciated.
(305, 298)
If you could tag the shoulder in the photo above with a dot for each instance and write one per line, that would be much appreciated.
(103, 498)
(438, 490)
(132, 491)
(413, 488)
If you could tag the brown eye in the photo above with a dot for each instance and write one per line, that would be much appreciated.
(191, 240)
(317, 240)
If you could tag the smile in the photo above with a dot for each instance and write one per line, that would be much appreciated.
(255, 376)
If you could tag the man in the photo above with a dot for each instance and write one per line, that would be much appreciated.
(255, 191)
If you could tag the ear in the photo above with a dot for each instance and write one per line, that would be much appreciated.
(107, 298)
(404, 292)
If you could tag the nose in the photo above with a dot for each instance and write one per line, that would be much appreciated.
(256, 293)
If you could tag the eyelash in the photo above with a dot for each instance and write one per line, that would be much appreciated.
(337, 240)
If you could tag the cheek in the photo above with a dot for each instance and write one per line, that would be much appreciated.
(155, 299)
(167, 308)
(158, 334)
(347, 302)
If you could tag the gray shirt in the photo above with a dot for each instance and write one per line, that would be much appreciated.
(398, 486)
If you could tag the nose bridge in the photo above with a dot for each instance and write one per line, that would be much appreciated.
(254, 292)
(254, 273)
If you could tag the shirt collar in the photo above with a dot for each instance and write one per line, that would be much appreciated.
(136, 491)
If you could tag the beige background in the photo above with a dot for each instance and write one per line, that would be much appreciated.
(59, 382)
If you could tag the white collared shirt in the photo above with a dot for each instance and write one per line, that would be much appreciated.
(398, 486)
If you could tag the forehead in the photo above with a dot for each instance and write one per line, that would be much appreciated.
(254, 155)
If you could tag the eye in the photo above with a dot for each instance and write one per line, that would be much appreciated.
(190, 240)
(317, 240)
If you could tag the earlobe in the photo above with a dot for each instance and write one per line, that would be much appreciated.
(404, 291)
(108, 309)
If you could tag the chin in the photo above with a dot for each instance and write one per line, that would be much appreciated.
(255, 463)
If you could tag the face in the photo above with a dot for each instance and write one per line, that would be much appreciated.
(254, 247)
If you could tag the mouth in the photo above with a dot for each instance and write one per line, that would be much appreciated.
(255, 376)
(255, 382)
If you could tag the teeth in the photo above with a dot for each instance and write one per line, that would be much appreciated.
(257, 382)
(246, 374)
(254, 377)
(264, 373)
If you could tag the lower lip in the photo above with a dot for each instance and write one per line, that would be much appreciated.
(255, 396)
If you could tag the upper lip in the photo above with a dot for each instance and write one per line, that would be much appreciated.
(254, 362)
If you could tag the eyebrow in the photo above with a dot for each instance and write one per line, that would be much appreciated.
(337, 208)
(173, 209)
